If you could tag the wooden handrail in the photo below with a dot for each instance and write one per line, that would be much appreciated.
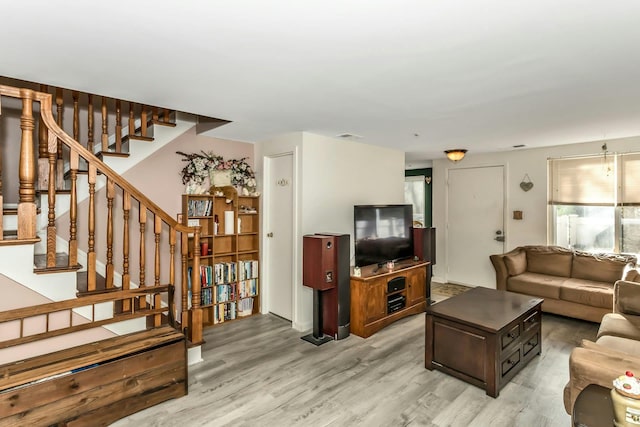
(56, 138)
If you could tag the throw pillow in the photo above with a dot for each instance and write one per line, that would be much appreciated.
(627, 297)
(630, 274)
(516, 263)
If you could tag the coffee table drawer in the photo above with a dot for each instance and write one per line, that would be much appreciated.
(510, 362)
(532, 321)
(510, 336)
(531, 343)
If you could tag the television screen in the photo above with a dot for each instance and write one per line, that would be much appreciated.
(382, 233)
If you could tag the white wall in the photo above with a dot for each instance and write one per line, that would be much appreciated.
(332, 176)
(532, 229)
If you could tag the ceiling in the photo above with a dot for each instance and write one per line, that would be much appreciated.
(420, 76)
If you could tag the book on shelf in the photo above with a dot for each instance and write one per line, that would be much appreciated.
(224, 311)
(248, 288)
(245, 307)
(206, 296)
(197, 207)
(225, 293)
(225, 272)
(206, 275)
(248, 269)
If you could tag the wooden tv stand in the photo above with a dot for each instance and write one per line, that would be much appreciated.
(377, 301)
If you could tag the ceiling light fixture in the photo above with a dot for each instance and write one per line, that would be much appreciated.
(455, 155)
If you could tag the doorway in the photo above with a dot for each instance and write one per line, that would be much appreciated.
(475, 224)
(279, 232)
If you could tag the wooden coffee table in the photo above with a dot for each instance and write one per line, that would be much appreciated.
(483, 336)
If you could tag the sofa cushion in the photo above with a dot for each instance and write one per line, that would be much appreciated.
(540, 285)
(552, 260)
(516, 263)
(619, 325)
(624, 345)
(594, 346)
(600, 268)
(588, 292)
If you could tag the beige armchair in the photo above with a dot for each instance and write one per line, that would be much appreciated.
(616, 350)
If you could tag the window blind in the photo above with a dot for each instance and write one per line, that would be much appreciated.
(582, 181)
(630, 179)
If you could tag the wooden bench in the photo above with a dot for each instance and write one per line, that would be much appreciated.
(95, 384)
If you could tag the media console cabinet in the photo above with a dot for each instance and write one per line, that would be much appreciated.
(380, 296)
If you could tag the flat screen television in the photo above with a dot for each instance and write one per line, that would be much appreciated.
(382, 233)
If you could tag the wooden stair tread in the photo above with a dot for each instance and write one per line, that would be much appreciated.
(137, 138)
(163, 123)
(82, 285)
(14, 211)
(62, 264)
(10, 237)
(46, 191)
(102, 154)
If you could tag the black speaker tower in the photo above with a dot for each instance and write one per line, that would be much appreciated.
(424, 249)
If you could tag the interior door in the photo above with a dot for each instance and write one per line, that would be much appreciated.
(475, 224)
(279, 240)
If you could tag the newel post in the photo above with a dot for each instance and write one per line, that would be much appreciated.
(27, 209)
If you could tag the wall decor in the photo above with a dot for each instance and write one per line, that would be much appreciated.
(220, 172)
(526, 183)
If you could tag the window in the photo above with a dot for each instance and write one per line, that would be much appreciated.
(595, 203)
(414, 195)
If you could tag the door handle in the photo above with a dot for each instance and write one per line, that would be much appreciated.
(269, 234)
(499, 238)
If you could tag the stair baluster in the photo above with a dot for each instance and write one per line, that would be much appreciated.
(126, 208)
(90, 142)
(73, 209)
(157, 229)
(118, 134)
(60, 163)
(143, 224)
(111, 192)
(132, 121)
(51, 201)
(43, 152)
(91, 252)
(143, 122)
(27, 210)
(105, 122)
(76, 115)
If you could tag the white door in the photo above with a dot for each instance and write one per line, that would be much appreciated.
(279, 232)
(475, 224)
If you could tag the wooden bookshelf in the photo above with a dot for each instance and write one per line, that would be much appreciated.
(230, 270)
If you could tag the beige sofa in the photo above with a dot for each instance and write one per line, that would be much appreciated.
(572, 283)
(616, 350)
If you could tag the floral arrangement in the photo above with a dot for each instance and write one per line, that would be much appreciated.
(199, 166)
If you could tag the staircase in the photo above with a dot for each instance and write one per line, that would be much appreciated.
(130, 276)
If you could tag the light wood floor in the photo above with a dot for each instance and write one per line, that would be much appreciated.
(258, 372)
